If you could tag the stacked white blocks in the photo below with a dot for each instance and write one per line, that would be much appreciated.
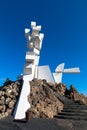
(34, 43)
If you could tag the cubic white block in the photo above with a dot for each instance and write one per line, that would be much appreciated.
(29, 69)
(33, 24)
(41, 36)
(34, 59)
(30, 58)
(27, 30)
(34, 51)
(36, 28)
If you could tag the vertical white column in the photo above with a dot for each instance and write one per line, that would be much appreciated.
(34, 43)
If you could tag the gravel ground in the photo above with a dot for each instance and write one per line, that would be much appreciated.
(42, 124)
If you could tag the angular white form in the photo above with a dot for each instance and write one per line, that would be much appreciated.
(57, 77)
(72, 70)
(33, 24)
(27, 30)
(23, 104)
(34, 43)
(60, 70)
(44, 72)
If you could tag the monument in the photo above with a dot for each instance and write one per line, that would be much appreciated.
(32, 70)
(34, 44)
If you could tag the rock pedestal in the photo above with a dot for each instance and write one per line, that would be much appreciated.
(44, 103)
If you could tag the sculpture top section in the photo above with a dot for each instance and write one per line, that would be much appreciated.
(34, 38)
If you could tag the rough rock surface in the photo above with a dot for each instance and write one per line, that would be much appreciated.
(44, 103)
(60, 88)
(8, 97)
(74, 94)
(43, 100)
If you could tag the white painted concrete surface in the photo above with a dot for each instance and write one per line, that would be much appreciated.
(60, 70)
(23, 103)
(72, 70)
(57, 77)
(44, 72)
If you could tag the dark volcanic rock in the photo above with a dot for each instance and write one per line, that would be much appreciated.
(44, 104)
(61, 89)
(74, 94)
(44, 98)
(8, 97)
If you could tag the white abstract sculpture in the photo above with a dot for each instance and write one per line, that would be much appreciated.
(44, 72)
(60, 70)
(34, 43)
(32, 70)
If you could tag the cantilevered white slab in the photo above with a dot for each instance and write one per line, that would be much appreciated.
(72, 70)
(44, 72)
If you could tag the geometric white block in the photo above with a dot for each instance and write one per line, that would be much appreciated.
(40, 45)
(29, 69)
(41, 36)
(38, 28)
(60, 68)
(44, 72)
(33, 24)
(23, 104)
(36, 60)
(30, 57)
(36, 51)
(36, 72)
(72, 70)
(27, 30)
(57, 77)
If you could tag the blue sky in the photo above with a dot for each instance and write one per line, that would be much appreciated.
(64, 23)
